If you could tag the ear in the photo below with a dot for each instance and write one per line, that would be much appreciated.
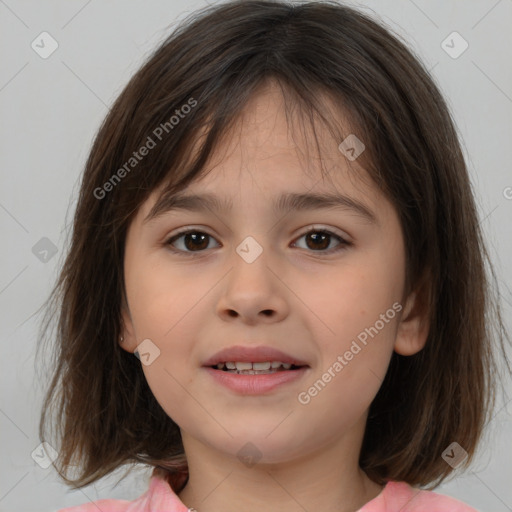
(414, 324)
(127, 339)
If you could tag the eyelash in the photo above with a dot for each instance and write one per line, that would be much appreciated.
(168, 243)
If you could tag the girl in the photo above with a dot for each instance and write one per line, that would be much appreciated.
(275, 294)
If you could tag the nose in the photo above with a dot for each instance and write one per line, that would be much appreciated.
(253, 293)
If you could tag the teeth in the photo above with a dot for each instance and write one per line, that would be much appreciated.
(243, 366)
(261, 366)
(239, 365)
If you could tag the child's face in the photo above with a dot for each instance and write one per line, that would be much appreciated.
(298, 296)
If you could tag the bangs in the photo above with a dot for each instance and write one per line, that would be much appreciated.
(305, 119)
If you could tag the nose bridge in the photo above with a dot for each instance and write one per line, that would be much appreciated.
(251, 269)
(252, 287)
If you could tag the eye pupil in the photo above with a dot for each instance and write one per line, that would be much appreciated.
(319, 236)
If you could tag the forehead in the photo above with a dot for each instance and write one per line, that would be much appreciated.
(270, 151)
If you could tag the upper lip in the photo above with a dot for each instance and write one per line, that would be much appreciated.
(246, 354)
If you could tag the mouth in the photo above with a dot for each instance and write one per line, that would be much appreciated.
(248, 370)
(259, 368)
(258, 378)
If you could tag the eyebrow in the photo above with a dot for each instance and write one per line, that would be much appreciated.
(284, 203)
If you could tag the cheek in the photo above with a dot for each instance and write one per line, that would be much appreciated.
(352, 369)
(161, 295)
(358, 305)
(168, 307)
(170, 375)
(351, 298)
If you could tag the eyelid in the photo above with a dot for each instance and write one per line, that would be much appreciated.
(310, 227)
(190, 229)
(335, 231)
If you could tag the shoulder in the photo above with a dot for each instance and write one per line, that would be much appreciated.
(417, 500)
(401, 496)
(159, 496)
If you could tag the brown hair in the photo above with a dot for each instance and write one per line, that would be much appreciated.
(106, 413)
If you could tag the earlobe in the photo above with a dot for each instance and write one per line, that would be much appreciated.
(414, 326)
(127, 339)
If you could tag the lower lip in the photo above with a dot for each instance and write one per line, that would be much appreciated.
(256, 384)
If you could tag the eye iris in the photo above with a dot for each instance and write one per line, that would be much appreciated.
(195, 237)
(316, 236)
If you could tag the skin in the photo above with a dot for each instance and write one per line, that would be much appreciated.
(305, 302)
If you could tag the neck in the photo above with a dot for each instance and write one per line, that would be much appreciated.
(329, 480)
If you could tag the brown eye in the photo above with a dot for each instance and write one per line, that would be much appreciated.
(320, 240)
(190, 241)
(194, 242)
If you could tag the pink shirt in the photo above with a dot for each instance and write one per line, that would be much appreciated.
(395, 497)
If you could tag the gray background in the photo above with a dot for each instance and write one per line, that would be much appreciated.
(50, 110)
